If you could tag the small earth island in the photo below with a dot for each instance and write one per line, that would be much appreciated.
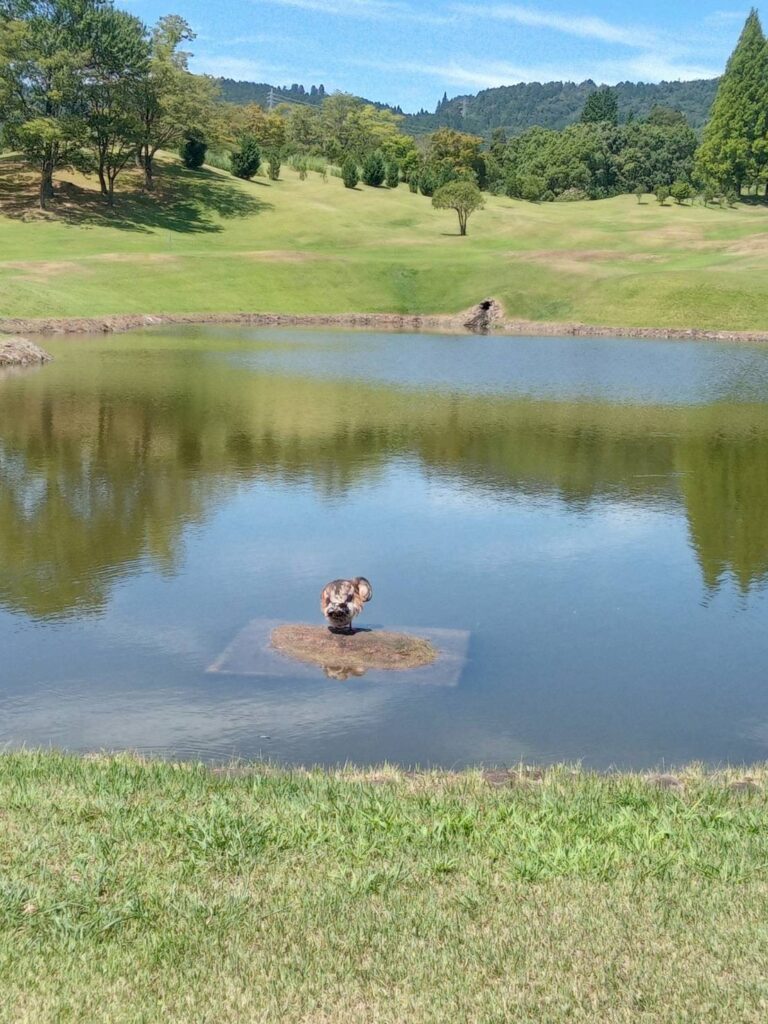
(354, 654)
(21, 352)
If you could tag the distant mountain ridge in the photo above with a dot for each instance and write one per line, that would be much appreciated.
(512, 107)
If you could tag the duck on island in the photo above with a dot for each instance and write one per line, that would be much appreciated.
(343, 600)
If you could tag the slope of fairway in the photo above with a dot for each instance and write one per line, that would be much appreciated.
(206, 242)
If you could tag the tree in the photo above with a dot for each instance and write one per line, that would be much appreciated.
(374, 170)
(192, 152)
(640, 192)
(734, 148)
(119, 57)
(662, 195)
(462, 196)
(173, 103)
(349, 173)
(393, 174)
(680, 191)
(246, 160)
(44, 56)
(601, 106)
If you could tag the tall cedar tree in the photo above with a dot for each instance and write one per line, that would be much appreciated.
(601, 106)
(734, 150)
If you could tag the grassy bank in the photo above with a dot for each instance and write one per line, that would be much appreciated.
(135, 891)
(209, 243)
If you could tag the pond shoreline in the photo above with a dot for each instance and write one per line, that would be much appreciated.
(460, 323)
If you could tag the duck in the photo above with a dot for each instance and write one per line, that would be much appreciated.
(342, 601)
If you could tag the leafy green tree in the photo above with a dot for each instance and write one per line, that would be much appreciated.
(393, 174)
(374, 170)
(349, 173)
(192, 152)
(734, 149)
(246, 160)
(640, 192)
(44, 58)
(662, 195)
(173, 103)
(119, 58)
(462, 196)
(601, 107)
(680, 191)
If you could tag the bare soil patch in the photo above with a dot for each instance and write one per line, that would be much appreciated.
(343, 656)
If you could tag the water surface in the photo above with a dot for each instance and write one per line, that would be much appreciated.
(594, 512)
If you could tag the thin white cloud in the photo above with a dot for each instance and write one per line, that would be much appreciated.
(583, 26)
(485, 74)
(376, 10)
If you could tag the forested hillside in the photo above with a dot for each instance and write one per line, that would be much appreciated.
(512, 107)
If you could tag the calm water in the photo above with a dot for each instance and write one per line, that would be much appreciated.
(593, 512)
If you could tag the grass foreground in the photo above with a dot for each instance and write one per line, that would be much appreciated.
(141, 891)
(205, 242)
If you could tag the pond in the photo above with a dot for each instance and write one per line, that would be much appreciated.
(591, 515)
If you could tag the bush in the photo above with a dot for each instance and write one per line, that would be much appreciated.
(572, 195)
(219, 158)
(662, 194)
(640, 192)
(192, 152)
(427, 182)
(374, 170)
(393, 174)
(349, 174)
(274, 164)
(247, 159)
(681, 191)
(732, 197)
(413, 183)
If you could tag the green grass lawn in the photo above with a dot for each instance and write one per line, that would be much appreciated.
(209, 243)
(147, 891)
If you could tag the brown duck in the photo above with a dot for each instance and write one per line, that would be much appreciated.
(343, 600)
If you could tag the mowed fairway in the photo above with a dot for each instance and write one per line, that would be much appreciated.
(206, 242)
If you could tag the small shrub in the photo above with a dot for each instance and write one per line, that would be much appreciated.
(220, 159)
(427, 182)
(662, 195)
(274, 165)
(393, 174)
(640, 193)
(732, 197)
(572, 195)
(680, 191)
(349, 173)
(374, 170)
(413, 183)
(192, 152)
(247, 159)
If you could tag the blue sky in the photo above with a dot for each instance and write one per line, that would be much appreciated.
(410, 51)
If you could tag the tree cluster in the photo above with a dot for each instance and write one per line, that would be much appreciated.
(594, 159)
(83, 84)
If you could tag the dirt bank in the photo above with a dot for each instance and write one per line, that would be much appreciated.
(487, 317)
(21, 352)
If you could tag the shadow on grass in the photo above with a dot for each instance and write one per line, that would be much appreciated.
(189, 202)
